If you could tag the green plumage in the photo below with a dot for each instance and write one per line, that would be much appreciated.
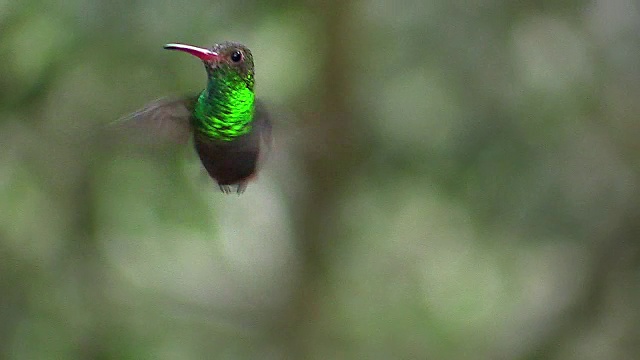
(225, 109)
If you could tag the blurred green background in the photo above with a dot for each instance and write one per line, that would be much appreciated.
(451, 180)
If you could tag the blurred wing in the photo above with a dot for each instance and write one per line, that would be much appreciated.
(164, 120)
(263, 122)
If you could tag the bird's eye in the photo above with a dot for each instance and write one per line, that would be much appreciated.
(236, 56)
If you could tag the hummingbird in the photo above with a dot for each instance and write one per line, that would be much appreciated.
(230, 128)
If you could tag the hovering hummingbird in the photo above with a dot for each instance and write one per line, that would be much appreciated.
(230, 127)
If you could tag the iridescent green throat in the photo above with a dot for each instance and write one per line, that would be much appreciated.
(224, 110)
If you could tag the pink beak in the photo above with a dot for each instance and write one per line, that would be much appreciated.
(201, 53)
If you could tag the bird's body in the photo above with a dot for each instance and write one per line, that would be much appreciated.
(234, 162)
(228, 124)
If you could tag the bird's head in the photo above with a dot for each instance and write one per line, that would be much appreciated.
(223, 60)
